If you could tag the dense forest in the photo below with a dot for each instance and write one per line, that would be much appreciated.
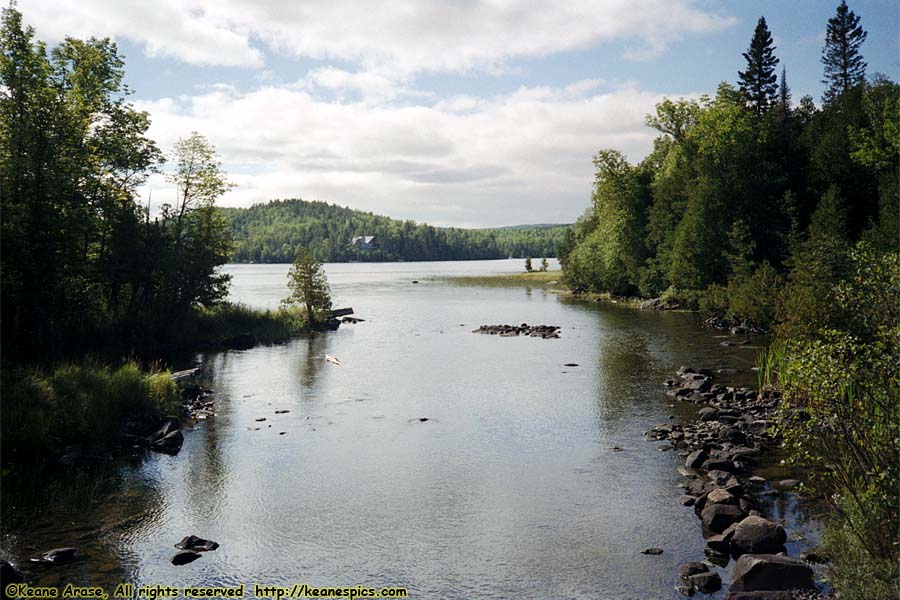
(782, 216)
(276, 232)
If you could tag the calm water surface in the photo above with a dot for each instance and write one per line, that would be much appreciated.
(509, 490)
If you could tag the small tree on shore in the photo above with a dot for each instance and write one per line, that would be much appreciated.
(544, 264)
(528, 266)
(309, 287)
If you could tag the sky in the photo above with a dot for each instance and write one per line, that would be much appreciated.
(463, 112)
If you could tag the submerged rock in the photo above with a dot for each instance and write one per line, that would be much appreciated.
(169, 444)
(59, 556)
(184, 557)
(652, 551)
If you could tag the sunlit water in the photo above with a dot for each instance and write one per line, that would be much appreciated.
(510, 489)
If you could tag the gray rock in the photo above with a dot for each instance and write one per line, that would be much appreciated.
(765, 572)
(717, 517)
(652, 551)
(708, 414)
(169, 443)
(706, 583)
(696, 459)
(692, 568)
(755, 535)
(198, 544)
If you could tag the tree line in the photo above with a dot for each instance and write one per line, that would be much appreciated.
(278, 231)
(81, 260)
(727, 201)
(786, 217)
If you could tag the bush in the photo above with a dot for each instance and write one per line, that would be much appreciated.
(753, 299)
(845, 378)
(88, 405)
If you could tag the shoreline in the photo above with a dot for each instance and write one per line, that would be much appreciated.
(721, 448)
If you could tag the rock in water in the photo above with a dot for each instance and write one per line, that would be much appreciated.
(652, 551)
(755, 535)
(59, 556)
(765, 572)
(706, 583)
(198, 544)
(717, 517)
(169, 443)
(185, 557)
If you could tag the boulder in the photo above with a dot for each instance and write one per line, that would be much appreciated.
(708, 414)
(720, 496)
(8, 574)
(692, 568)
(169, 443)
(719, 464)
(717, 517)
(696, 459)
(765, 572)
(184, 557)
(652, 551)
(198, 544)
(733, 435)
(718, 544)
(755, 535)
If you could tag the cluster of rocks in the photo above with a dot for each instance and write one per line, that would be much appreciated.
(196, 404)
(719, 450)
(547, 332)
(191, 546)
(734, 326)
(658, 304)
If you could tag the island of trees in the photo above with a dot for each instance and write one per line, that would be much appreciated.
(277, 231)
(783, 216)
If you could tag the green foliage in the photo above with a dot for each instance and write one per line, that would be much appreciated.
(753, 298)
(274, 233)
(544, 264)
(758, 82)
(80, 261)
(844, 377)
(528, 267)
(309, 288)
(211, 325)
(87, 405)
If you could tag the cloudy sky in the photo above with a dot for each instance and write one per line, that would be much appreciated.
(461, 112)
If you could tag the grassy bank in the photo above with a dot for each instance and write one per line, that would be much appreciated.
(87, 405)
(545, 279)
(212, 327)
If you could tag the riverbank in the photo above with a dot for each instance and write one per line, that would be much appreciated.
(732, 434)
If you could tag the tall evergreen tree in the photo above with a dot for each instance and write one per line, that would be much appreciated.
(758, 82)
(844, 65)
(784, 93)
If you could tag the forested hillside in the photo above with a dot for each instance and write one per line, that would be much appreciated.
(277, 231)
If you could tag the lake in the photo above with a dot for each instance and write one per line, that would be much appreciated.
(510, 489)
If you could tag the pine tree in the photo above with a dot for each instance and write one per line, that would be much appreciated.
(784, 93)
(309, 287)
(758, 82)
(544, 264)
(844, 65)
(528, 266)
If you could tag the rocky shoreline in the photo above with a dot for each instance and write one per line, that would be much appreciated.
(720, 450)
(547, 332)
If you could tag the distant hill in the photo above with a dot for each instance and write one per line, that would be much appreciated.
(274, 232)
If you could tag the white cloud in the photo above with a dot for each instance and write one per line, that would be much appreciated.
(392, 38)
(521, 157)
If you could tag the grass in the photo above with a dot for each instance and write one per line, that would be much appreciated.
(546, 279)
(88, 405)
(211, 326)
